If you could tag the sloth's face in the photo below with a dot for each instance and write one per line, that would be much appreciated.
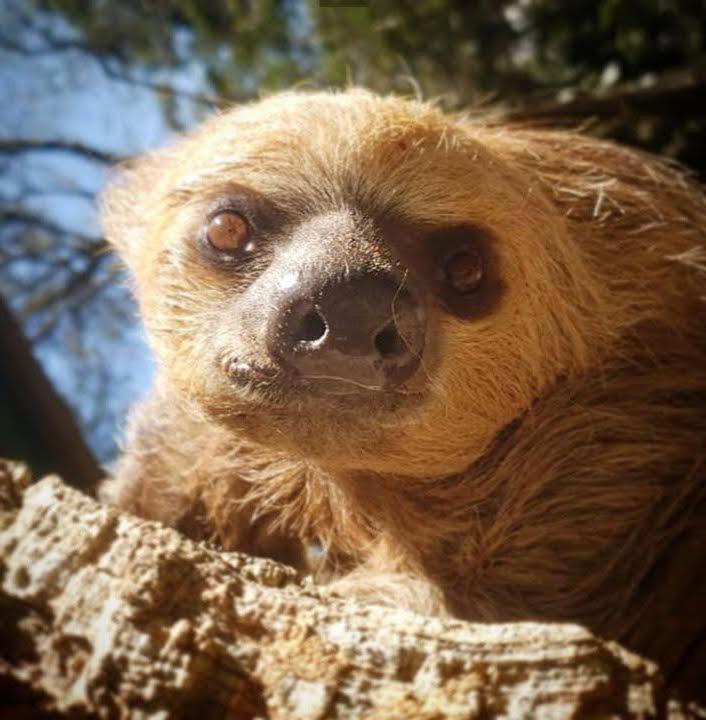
(350, 278)
(331, 316)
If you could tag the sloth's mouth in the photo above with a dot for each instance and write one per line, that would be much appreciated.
(243, 371)
(275, 386)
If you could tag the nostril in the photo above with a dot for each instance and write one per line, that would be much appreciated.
(344, 333)
(389, 343)
(312, 327)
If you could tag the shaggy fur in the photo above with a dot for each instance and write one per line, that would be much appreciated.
(547, 461)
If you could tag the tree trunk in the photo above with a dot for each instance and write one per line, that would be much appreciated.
(33, 417)
(105, 615)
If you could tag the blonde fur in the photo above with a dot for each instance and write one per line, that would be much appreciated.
(555, 467)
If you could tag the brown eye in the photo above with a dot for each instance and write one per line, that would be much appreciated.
(463, 271)
(228, 231)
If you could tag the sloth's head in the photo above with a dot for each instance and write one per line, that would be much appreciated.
(363, 280)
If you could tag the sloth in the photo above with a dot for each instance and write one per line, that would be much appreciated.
(435, 360)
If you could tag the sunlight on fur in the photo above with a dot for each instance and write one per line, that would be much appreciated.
(545, 460)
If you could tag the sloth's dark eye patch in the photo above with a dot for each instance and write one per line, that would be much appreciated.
(228, 232)
(463, 270)
(456, 264)
(467, 278)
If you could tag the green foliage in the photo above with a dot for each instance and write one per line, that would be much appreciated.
(519, 52)
(489, 45)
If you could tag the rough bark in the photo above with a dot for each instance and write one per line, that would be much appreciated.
(106, 615)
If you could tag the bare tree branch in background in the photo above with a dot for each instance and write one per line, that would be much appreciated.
(28, 218)
(15, 146)
(69, 269)
(684, 89)
(113, 65)
(48, 429)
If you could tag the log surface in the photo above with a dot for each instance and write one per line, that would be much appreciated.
(105, 615)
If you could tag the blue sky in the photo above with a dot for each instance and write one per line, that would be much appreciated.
(66, 95)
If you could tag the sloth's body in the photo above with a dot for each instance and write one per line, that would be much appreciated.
(469, 361)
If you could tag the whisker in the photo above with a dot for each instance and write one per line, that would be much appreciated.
(392, 307)
(418, 355)
(377, 388)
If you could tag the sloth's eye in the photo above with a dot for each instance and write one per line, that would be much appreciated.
(463, 271)
(229, 232)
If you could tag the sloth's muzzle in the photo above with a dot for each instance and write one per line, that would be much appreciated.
(364, 331)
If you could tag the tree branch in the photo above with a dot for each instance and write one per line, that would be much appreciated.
(103, 58)
(106, 615)
(671, 92)
(14, 146)
(26, 217)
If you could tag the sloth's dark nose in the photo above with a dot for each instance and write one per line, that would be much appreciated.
(365, 331)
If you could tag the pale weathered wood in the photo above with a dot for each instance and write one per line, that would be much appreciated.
(103, 614)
